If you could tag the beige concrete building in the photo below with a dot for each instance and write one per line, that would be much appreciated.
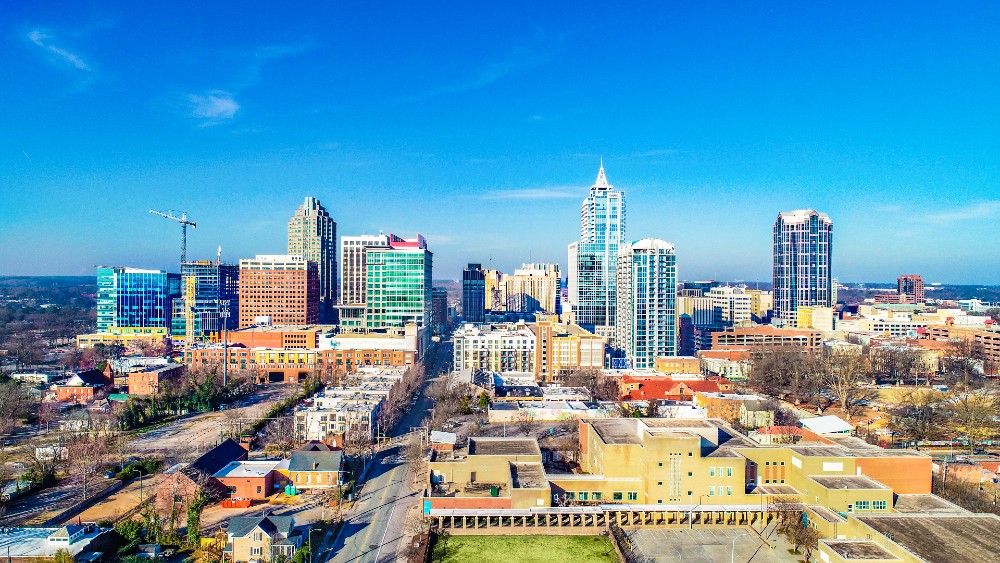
(532, 288)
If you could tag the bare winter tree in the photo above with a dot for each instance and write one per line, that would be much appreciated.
(919, 415)
(848, 379)
(16, 403)
(974, 416)
(525, 421)
(279, 435)
(88, 454)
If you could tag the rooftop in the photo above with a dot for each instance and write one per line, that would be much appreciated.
(827, 514)
(503, 446)
(847, 482)
(926, 504)
(820, 451)
(617, 430)
(941, 537)
(858, 549)
(527, 475)
(247, 469)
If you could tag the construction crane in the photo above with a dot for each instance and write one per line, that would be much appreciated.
(183, 220)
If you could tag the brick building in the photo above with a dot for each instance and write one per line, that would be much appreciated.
(281, 288)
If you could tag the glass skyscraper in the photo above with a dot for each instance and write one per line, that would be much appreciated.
(647, 302)
(474, 294)
(398, 286)
(593, 261)
(203, 285)
(803, 251)
(130, 297)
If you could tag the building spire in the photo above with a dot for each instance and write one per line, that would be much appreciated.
(602, 181)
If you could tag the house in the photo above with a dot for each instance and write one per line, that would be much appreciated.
(774, 435)
(830, 424)
(755, 414)
(316, 446)
(645, 388)
(262, 538)
(316, 470)
(255, 480)
(443, 441)
(180, 482)
(84, 386)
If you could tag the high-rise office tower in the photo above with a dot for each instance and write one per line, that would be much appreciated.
(534, 288)
(353, 269)
(312, 234)
(730, 305)
(439, 310)
(496, 290)
(912, 286)
(803, 251)
(398, 288)
(474, 294)
(281, 289)
(594, 259)
(646, 326)
(131, 297)
(206, 289)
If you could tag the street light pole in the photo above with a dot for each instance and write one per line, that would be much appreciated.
(140, 484)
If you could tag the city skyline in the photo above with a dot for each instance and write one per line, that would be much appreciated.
(486, 136)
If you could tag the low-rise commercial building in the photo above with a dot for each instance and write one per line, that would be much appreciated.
(254, 480)
(154, 379)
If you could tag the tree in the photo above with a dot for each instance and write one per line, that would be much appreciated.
(357, 441)
(799, 535)
(785, 371)
(484, 401)
(279, 435)
(974, 415)
(525, 421)
(964, 363)
(848, 379)
(88, 454)
(27, 348)
(16, 403)
(652, 408)
(919, 415)
(601, 388)
(895, 364)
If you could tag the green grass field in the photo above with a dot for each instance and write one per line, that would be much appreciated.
(524, 549)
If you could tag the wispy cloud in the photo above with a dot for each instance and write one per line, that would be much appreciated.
(214, 107)
(980, 210)
(517, 59)
(554, 192)
(653, 153)
(40, 38)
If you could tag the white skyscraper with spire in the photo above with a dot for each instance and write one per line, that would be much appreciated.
(593, 261)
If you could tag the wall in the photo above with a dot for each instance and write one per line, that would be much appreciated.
(247, 487)
(905, 476)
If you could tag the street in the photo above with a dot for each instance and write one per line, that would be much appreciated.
(373, 528)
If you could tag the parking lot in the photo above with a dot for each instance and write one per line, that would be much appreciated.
(707, 545)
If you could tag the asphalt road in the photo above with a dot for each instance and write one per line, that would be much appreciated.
(373, 528)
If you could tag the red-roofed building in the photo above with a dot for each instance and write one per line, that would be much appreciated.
(640, 388)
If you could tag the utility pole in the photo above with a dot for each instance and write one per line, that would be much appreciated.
(224, 317)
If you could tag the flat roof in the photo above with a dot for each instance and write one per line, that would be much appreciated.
(527, 475)
(941, 537)
(678, 423)
(847, 482)
(244, 469)
(775, 490)
(617, 430)
(826, 514)
(503, 446)
(859, 549)
(820, 451)
(926, 504)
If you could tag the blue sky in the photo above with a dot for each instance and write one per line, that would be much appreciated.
(482, 126)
